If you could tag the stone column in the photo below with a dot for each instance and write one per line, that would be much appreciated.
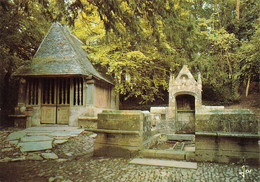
(171, 109)
(90, 92)
(90, 99)
(170, 115)
(114, 100)
(21, 105)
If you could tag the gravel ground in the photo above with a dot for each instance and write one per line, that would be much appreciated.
(76, 163)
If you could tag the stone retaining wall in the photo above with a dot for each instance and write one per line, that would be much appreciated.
(226, 136)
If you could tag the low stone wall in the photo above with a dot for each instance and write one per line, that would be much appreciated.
(226, 136)
(157, 114)
(121, 133)
(241, 120)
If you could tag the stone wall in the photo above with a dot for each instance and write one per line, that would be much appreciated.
(157, 114)
(121, 133)
(228, 120)
(226, 136)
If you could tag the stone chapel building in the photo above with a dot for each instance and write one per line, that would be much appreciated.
(61, 83)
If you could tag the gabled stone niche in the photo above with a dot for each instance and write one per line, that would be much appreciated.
(184, 100)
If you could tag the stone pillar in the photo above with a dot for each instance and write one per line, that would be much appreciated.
(90, 92)
(171, 109)
(114, 100)
(91, 110)
(198, 98)
(21, 105)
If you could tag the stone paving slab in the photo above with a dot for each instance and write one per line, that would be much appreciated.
(13, 142)
(39, 133)
(41, 138)
(35, 146)
(59, 141)
(61, 133)
(16, 135)
(76, 131)
(36, 138)
(164, 163)
(49, 156)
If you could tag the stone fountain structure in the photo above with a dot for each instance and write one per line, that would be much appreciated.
(184, 100)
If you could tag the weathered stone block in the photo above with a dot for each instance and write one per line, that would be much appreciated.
(87, 122)
(226, 157)
(114, 150)
(20, 121)
(165, 154)
(228, 121)
(121, 133)
(190, 156)
(119, 139)
(176, 155)
(120, 121)
(158, 110)
(148, 153)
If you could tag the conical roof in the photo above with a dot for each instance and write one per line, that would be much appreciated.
(61, 54)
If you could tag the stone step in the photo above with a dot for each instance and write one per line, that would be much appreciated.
(164, 163)
(181, 137)
(163, 154)
(35, 146)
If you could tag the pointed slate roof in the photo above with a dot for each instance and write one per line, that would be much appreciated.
(61, 54)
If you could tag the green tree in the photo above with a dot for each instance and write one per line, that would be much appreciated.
(22, 28)
(143, 41)
(250, 58)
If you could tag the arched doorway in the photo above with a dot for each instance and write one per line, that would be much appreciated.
(185, 114)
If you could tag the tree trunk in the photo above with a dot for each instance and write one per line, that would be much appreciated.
(216, 9)
(238, 6)
(247, 86)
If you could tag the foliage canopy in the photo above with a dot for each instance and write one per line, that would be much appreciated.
(142, 42)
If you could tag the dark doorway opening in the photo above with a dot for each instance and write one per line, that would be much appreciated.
(185, 116)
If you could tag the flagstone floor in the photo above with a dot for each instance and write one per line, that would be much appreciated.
(37, 141)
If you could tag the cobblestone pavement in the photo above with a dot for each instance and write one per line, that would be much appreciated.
(108, 169)
(81, 166)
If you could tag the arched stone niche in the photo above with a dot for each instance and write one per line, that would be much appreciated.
(184, 100)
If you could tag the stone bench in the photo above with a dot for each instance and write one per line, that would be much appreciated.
(20, 120)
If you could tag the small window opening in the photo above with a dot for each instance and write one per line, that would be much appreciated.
(32, 91)
(78, 91)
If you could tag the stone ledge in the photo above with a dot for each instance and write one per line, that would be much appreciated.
(228, 134)
(17, 116)
(165, 154)
(93, 119)
(113, 131)
(181, 137)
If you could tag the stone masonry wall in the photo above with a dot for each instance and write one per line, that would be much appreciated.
(121, 133)
(227, 136)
